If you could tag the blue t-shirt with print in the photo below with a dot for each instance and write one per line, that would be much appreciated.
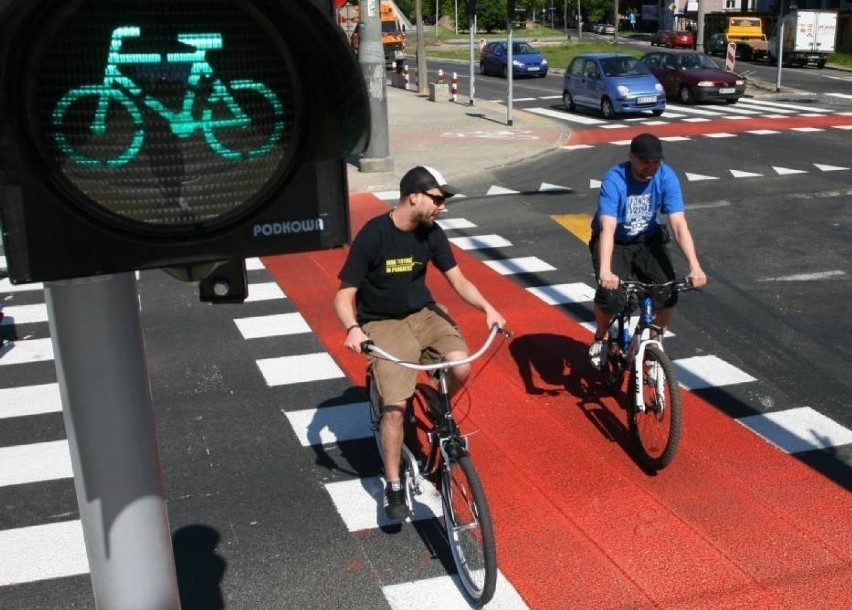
(635, 204)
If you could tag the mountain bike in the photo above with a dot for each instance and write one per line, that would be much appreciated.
(219, 111)
(466, 517)
(635, 343)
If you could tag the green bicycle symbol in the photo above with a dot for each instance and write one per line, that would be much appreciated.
(117, 87)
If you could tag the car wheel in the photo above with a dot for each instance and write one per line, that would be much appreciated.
(656, 112)
(568, 101)
(686, 95)
(505, 72)
(732, 100)
(607, 109)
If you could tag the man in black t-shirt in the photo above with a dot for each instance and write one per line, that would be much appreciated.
(383, 297)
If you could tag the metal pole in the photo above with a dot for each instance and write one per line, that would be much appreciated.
(780, 55)
(109, 419)
(510, 69)
(699, 30)
(614, 21)
(780, 48)
(579, 22)
(422, 84)
(371, 57)
(472, 28)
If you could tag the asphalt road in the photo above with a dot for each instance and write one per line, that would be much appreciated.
(248, 500)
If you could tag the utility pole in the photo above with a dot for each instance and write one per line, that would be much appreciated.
(614, 21)
(699, 30)
(422, 84)
(372, 59)
(579, 22)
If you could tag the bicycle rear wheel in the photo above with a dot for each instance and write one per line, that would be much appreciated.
(469, 530)
(656, 430)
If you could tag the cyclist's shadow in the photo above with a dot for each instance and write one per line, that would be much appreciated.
(558, 365)
(345, 418)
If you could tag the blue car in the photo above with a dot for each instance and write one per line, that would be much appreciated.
(526, 61)
(613, 83)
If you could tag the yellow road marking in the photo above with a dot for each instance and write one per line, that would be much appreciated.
(580, 225)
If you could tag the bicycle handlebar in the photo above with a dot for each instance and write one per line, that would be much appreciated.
(635, 286)
(371, 348)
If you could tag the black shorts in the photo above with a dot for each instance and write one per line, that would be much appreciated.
(645, 260)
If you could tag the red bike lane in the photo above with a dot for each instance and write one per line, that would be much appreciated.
(682, 129)
(731, 523)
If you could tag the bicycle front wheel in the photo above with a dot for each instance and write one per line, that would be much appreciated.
(469, 530)
(656, 429)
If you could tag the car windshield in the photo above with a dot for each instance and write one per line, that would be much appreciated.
(623, 66)
(521, 48)
(696, 61)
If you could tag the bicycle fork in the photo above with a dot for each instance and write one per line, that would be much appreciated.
(644, 340)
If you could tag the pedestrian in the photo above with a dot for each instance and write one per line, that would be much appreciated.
(383, 297)
(629, 242)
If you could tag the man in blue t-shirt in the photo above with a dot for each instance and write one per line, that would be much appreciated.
(383, 297)
(627, 239)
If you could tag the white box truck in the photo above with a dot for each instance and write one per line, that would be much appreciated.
(808, 38)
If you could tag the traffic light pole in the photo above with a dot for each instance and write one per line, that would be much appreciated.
(371, 57)
(106, 402)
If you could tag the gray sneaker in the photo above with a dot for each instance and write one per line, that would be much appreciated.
(596, 354)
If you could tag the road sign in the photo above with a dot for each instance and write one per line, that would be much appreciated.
(731, 57)
(160, 134)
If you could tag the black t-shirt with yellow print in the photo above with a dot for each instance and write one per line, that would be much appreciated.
(388, 266)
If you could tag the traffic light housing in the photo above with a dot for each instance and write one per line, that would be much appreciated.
(159, 134)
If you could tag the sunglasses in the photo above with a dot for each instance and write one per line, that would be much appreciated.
(436, 199)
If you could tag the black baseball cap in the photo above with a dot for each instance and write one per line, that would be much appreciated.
(421, 178)
(647, 146)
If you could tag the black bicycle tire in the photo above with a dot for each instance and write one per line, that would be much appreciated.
(480, 594)
(657, 460)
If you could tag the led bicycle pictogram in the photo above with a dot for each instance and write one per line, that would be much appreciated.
(218, 109)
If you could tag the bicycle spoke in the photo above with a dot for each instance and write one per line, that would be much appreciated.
(655, 424)
(469, 531)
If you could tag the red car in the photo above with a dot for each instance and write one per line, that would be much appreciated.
(662, 38)
(682, 40)
(690, 77)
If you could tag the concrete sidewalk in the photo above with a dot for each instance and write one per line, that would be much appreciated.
(455, 138)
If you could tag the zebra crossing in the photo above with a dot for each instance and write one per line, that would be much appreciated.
(52, 547)
(745, 108)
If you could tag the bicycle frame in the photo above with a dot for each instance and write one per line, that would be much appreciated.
(634, 339)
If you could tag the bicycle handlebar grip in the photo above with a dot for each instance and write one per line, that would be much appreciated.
(366, 345)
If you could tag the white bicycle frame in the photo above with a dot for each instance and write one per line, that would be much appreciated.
(644, 341)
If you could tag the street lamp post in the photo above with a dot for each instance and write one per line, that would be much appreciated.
(579, 22)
